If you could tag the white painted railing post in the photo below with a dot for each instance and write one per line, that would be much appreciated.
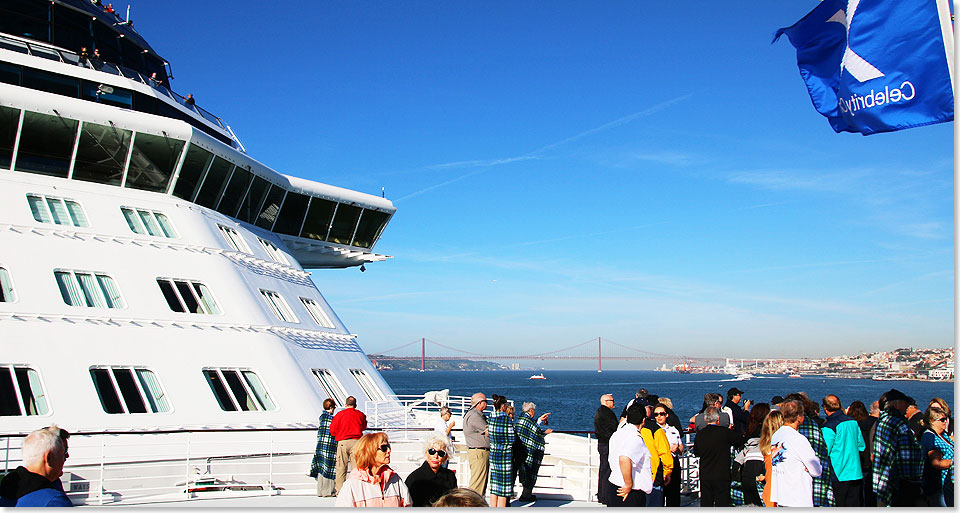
(186, 481)
(589, 467)
(103, 477)
(270, 481)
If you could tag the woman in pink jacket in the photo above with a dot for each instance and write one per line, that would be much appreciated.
(373, 483)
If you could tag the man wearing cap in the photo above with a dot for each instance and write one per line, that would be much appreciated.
(740, 415)
(897, 457)
(478, 443)
(775, 402)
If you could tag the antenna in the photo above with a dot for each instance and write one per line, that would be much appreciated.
(128, 14)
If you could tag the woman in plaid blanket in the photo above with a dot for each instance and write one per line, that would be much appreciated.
(323, 466)
(500, 428)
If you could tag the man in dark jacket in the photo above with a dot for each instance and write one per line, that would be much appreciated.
(712, 446)
(605, 424)
(37, 482)
(741, 416)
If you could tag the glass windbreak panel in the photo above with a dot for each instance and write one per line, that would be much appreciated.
(258, 390)
(250, 206)
(50, 82)
(213, 183)
(194, 164)
(46, 144)
(344, 224)
(9, 405)
(34, 400)
(101, 154)
(105, 389)
(173, 301)
(245, 400)
(317, 223)
(234, 192)
(193, 306)
(152, 162)
(219, 390)
(129, 391)
(291, 215)
(371, 226)
(6, 287)
(9, 122)
(268, 213)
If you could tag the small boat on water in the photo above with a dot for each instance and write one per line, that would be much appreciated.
(794, 376)
(744, 377)
(538, 376)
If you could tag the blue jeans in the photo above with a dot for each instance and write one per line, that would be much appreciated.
(655, 497)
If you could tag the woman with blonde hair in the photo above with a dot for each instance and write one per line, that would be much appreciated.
(771, 423)
(373, 483)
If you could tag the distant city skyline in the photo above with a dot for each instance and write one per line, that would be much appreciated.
(653, 173)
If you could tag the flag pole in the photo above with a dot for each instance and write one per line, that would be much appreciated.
(946, 29)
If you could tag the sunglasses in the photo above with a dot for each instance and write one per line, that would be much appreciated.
(660, 414)
(384, 447)
(943, 419)
(431, 451)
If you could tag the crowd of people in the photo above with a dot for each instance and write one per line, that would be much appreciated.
(781, 453)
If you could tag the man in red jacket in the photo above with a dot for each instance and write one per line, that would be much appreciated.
(346, 427)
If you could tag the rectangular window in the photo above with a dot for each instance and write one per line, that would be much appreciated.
(366, 383)
(148, 222)
(250, 205)
(317, 223)
(319, 316)
(47, 209)
(271, 207)
(331, 385)
(6, 287)
(238, 389)
(344, 223)
(274, 252)
(194, 164)
(188, 296)
(279, 306)
(21, 392)
(91, 290)
(372, 223)
(234, 239)
(101, 154)
(152, 162)
(213, 183)
(129, 390)
(46, 144)
(9, 123)
(291, 215)
(236, 188)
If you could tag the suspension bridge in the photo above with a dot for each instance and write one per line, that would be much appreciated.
(593, 349)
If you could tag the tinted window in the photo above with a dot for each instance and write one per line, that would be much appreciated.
(234, 192)
(344, 223)
(25, 18)
(129, 390)
(51, 82)
(371, 225)
(213, 183)
(46, 144)
(71, 29)
(291, 215)
(193, 167)
(250, 206)
(268, 213)
(110, 95)
(106, 42)
(9, 121)
(317, 223)
(108, 394)
(152, 162)
(9, 73)
(102, 153)
(219, 391)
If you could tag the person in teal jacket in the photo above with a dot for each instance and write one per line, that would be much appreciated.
(844, 444)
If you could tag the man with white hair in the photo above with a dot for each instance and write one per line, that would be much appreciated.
(477, 438)
(37, 482)
(529, 453)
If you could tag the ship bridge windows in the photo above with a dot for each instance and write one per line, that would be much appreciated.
(194, 164)
(93, 290)
(317, 224)
(101, 154)
(319, 316)
(366, 383)
(129, 390)
(279, 306)
(6, 287)
(233, 193)
(344, 223)
(188, 296)
(372, 223)
(48, 209)
(238, 390)
(21, 392)
(290, 219)
(250, 205)
(271, 207)
(46, 144)
(214, 182)
(148, 222)
(152, 162)
(9, 123)
(274, 252)
(234, 239)
(331, 385)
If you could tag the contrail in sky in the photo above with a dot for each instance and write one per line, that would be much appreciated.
(483, 165)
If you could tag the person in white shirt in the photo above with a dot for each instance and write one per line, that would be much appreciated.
(795, 464)
(630, 470)
(442, 426)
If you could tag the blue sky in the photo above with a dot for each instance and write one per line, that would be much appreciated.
(648, 172)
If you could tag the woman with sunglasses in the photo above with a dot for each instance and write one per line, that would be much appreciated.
(671, 491)
(431, 480)
(937, 447)
(373, 483)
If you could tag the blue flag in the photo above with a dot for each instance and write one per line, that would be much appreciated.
(877, 65)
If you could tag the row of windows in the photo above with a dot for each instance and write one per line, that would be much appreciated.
(56, 146)
(98, 290)
(124, 389)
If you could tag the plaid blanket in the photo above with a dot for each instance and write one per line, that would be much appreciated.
(325, 458)
(896, 454)
(500, 428)
(822, 489)
(531, 438)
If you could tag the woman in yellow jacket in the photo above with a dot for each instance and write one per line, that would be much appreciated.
(661, 460)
